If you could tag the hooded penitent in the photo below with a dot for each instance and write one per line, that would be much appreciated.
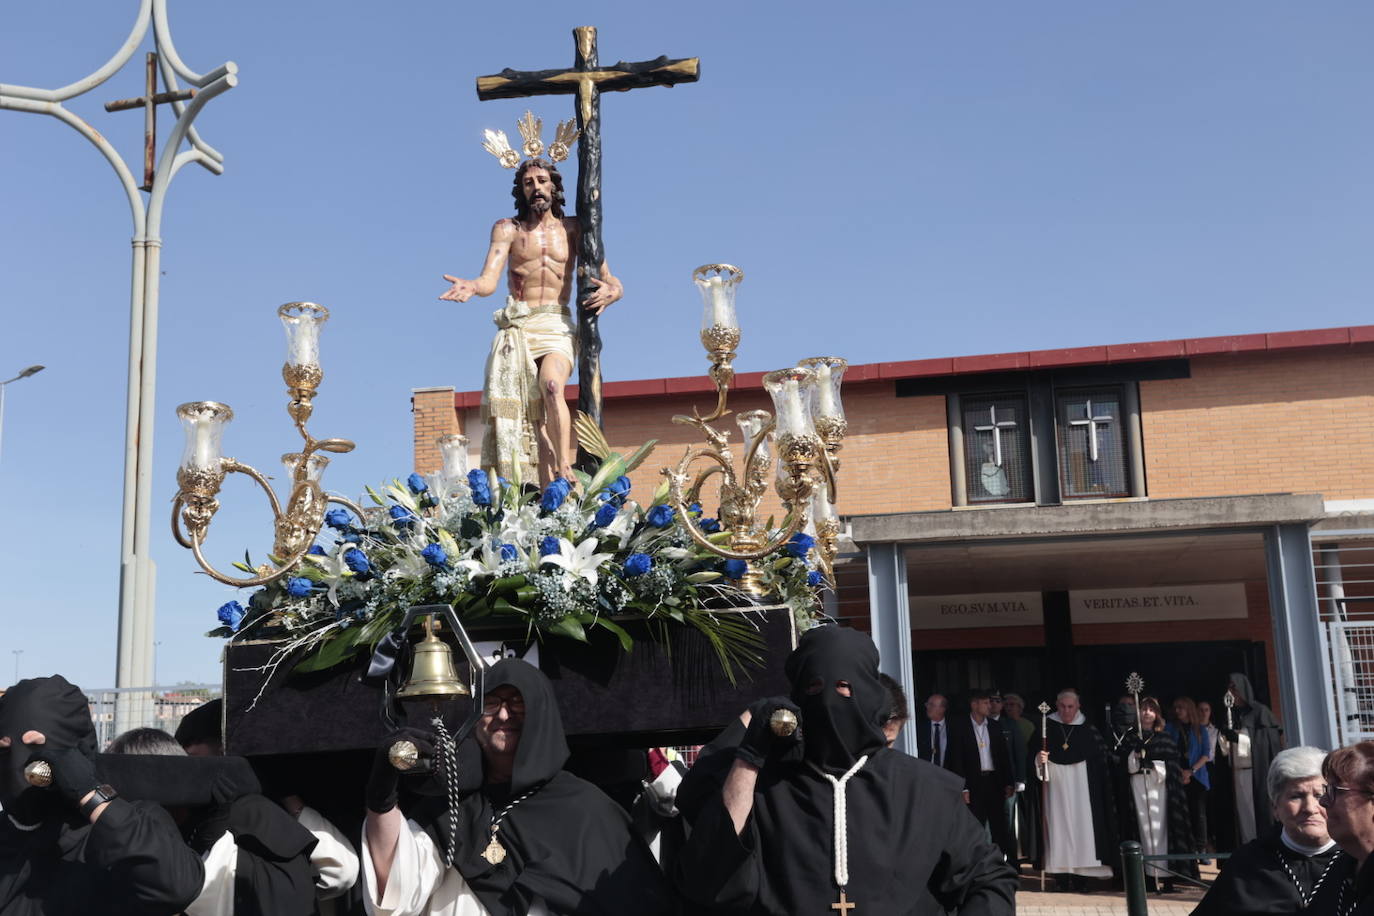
(59, 710)
(567, 843)
(837, 729)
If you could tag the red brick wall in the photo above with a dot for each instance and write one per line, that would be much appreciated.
(435, 416)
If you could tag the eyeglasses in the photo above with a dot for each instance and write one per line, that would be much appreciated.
(514, 705)
(1329, 794)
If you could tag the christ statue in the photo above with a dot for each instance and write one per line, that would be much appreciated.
(536, 343)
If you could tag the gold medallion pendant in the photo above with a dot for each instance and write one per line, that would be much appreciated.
(1065, 745)
(495, 853)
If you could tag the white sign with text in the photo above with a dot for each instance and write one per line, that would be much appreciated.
(1165, 602)
(1004, 609)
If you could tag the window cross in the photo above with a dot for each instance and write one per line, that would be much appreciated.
(1091, 422)
(995, 427)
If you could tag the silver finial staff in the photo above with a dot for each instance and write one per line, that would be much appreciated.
(1134, 685)
(1043, 771)
(1230, 700)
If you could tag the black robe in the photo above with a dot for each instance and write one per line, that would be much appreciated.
(1266, 740)
(1159, 746)
(1255, 881)
(913, 846)
(568, 843)
(1085, 744)
(131, 860)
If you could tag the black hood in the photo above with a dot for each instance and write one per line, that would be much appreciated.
(837, 730)
(1243, 688)
(58, 709)
(543, 747)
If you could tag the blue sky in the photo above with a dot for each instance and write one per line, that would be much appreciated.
(898, 181)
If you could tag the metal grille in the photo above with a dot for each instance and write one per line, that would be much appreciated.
(144, 707)
(1345, 605)
(997, 463)
(1092, 448)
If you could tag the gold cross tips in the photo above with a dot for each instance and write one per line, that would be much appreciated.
(531, 129)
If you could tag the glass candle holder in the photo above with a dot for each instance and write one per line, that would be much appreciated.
(314, 465)
(829, 374)
(792, 391)
(453, 452)
(303, 322)
(822, 510)
(751, 424)
(717, 284)
(203, 422)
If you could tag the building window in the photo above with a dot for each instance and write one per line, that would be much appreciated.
(997, 464)
(1092, 444)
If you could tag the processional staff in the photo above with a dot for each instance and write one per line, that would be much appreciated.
(1134, 685)
(1043, 771)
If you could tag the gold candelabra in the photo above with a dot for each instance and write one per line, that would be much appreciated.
(203, 466)
(806, 430)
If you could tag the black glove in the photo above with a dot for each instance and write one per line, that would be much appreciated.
(385, 778)
(1230, 734)
(205, 831)
(73, 773)
(759, 741)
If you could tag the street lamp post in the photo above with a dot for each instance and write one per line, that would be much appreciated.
(25, 373)
(136, 591)
(17, 653)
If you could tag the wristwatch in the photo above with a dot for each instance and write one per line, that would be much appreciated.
(99, 796)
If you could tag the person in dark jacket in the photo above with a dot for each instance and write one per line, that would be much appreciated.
(978, 752)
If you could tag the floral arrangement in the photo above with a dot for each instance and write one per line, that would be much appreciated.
(558, 562)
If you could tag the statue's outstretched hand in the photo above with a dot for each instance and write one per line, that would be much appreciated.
(604, 292)
(460, 291)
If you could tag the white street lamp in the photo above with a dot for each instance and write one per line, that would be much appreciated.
(31, 370)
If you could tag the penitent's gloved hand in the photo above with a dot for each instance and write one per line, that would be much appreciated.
(73, 773)
(759, 741)
(385, 778)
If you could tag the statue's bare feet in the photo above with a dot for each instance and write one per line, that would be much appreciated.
(566, 472)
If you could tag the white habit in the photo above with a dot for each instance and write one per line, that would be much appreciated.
(1150, 790)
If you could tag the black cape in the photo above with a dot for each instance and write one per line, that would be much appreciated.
(913, 846)
(131, 860)
(1266, 740)
(1085, 745)
(568, 843)
(1254, 881)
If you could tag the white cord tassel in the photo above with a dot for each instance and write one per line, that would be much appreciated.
(841, 831)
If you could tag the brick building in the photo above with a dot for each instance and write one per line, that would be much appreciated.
(1028, 520)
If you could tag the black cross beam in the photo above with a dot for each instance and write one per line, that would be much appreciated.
(149, 102)
(587, 79)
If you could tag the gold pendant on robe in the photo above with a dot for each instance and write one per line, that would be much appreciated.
(1065, 745)
(495, 853)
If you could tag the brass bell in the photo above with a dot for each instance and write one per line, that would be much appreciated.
(432, 673)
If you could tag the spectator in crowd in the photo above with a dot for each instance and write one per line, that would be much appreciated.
(1024, 811)
(1080, 836)
(1150, 766)
(897, 713)
(1195, 750)
(1215, 771)
(1349, 804)
(1296, 866)
(978, 752)
(932, 732)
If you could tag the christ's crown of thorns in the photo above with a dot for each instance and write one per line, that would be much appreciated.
(530, 130)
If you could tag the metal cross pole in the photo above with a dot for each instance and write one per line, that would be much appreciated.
(136, 592)
(587, 79)
(149, 101)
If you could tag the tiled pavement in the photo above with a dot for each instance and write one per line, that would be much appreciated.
(1030, 902)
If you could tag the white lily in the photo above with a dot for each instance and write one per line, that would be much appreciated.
(580, 560)
(623, 523)
(334, 569)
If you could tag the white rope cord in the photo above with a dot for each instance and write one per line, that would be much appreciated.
(841, 831)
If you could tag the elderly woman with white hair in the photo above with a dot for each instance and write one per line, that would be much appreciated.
(1295, 866)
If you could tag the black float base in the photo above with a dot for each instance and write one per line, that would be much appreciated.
(608, 698)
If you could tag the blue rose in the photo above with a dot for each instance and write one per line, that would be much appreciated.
(338, 518)
(316, 550)
(694, 509)
(555, 494)
(620, 486)
(402, 517)
(660, 516)
(709, 525)
(814, 578)
(637, 564)
(508, 552)
(352, 537)
(549, 546)
(299, 586)
(735, 569)
(231, 615)
(502, 482)
(357, 561)
(605, 515)
(800, 545)
(480, 486)
(417, 484)
(434, 555)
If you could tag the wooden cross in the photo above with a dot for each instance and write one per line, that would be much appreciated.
(587, 79)
(149, 102)
(843, 906)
